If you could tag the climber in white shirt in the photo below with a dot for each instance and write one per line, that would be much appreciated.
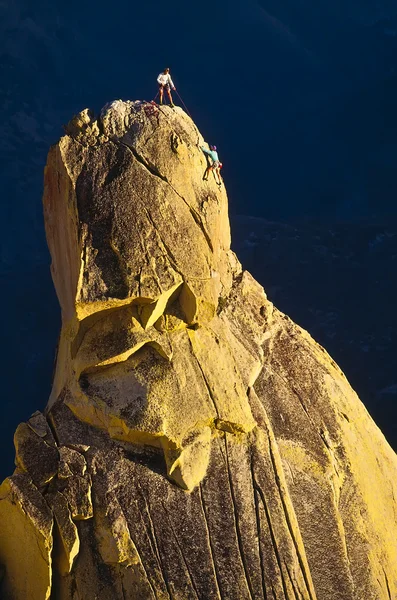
(164, 80)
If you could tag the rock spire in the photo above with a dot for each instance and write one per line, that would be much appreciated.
(197, 443)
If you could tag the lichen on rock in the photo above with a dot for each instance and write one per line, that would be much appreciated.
(197, 443)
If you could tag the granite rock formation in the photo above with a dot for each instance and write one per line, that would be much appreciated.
(197, 444)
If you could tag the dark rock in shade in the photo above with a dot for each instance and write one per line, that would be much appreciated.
(206, 447)
(332, 280)
(35, 455)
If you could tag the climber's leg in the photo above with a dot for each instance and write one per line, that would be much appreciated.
(169, 96)
(208, 169)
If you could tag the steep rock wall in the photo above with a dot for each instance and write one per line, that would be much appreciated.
(197, 443)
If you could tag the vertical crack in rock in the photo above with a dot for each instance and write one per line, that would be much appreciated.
(151, 533)
(162, 569)
(207, 385)
(236, 522)
(273, 538)
(210, 546)
(196, 217)
(297, 593)
(181, 550)
(168, 250)
(387, 584)
(294, 531)
(255, 494)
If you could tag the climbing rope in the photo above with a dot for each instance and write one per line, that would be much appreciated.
(180, 98)
(153, 102)
(149, 113)
(184, 105)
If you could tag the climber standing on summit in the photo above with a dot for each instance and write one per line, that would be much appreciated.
(164, 80)
(215, 165)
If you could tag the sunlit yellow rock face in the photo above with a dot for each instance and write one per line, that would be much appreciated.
(197, 443)
(25, 539)
(148, 257)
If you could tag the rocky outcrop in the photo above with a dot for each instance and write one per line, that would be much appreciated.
(197, 443)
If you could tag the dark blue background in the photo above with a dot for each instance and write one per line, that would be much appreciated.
(299, 100)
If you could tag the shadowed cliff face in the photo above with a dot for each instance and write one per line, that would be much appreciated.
(197, 443)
